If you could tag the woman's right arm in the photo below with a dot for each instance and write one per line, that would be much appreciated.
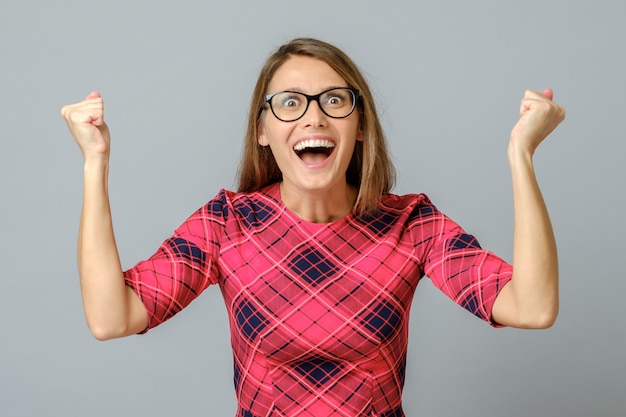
(112, 309)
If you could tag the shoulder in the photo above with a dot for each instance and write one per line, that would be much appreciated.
(395, 201)
(416, 212)
(398, 212)
(412, 205)
(229, 204)
(228, 210)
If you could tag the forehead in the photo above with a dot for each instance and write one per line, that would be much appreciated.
(306, 74)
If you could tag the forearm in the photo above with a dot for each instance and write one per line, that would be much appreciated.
(105, 296)
(533, 300)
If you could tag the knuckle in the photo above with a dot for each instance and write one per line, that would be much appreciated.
(65, 110)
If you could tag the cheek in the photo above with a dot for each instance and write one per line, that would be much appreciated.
(275, 133)
(354, 130)
(353, 126)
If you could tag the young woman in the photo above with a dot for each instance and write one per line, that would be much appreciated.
(317, 261)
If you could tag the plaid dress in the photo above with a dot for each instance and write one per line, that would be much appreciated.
(318, 312)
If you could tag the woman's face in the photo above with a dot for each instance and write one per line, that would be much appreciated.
(313, 152)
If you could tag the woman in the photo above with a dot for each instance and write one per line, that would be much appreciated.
(317, 261)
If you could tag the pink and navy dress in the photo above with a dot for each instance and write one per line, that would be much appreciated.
(318, 312)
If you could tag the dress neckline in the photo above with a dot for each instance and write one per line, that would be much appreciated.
(274, 191)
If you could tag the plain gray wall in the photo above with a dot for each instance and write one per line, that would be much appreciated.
(177, 77)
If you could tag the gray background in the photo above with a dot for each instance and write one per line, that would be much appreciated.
(176, 78)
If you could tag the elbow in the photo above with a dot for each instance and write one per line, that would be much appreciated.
(539, 320)
(547, 320)
(528, 306)
(546, 316)
(101, 335)
(543, 323)
(103, 332)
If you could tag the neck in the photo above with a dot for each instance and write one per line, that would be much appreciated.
(319, 207)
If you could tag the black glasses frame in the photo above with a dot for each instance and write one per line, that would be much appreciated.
(355, 94)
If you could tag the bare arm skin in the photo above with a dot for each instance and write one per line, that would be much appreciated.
(111, 308)
(531, 298)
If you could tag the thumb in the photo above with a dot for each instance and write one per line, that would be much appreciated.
(98, 118)
(548, 93)
(93, 94)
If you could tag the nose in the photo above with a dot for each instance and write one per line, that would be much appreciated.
(314, 116)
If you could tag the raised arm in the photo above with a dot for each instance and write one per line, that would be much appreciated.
(531, 298)
(111, 308)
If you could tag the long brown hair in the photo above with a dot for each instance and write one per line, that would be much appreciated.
(370, 169)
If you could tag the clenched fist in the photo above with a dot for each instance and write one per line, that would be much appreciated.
(539, 116)
(85, 121)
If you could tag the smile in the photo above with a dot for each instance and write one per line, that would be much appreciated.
(314, 151)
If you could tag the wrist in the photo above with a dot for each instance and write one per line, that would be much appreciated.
(519, 156)
(96, 168)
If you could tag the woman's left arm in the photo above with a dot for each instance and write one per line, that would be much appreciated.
(531, 298)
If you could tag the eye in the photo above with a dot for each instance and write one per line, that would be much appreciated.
(288, 100)
(336, 98)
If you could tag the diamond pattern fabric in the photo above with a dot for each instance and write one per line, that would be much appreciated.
(318, 312)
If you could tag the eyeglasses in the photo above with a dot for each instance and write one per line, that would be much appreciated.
(289, 106)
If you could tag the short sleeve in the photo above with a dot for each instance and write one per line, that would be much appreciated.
(456, 263)
(184, 265)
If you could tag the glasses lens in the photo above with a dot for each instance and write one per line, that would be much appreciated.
(289, 105)
(338, 102)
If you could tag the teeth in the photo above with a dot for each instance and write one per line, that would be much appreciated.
(313, 143)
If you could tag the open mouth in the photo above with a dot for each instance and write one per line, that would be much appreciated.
(314, 151)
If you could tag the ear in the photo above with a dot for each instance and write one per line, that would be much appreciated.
(262, 136)
(359, 135)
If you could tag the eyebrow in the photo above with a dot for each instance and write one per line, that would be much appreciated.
(299, 90)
